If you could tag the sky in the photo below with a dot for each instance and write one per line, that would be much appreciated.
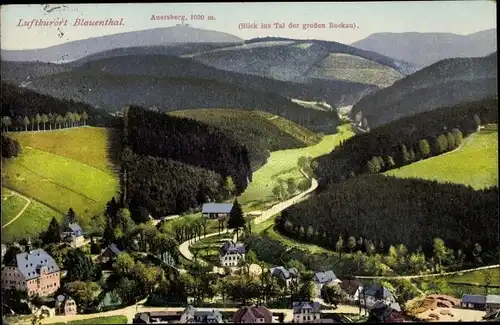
(364, 19)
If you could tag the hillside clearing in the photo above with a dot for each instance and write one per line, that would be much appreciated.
(12, 204)
(474, 164)
(283, 165)
(93, 146)
(60, 169)
(477, 277)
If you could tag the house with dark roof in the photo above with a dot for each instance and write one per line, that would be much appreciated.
(253, 314)
(376, 293)
(352, 289)
(73, 234)
(65, 305)
(383, 313)
(305, 311)
(216, 210)
(323, 278)
(286, 275)
(34, 272)
(110, 253)
(231, 253)
(492, 303)
(474, 302)
(191, 315)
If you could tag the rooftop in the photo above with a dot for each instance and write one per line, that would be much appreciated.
(217, 207)
(325, 277)
(474, 299)
(493, 299)
(231, 246)
(377, 291)
(287, 274)
(301, 305)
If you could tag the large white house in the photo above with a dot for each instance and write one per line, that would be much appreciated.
(306, 312)
(231, 253)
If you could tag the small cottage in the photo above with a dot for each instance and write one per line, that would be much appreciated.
(474, 302)
(216, 210)
(492, 303)
(285, 275)
(65, 305)
(306, 312)
(253, 314)
(382, 313)
(231, 253)
(323, 278)
(110, 253)
(191, 315)
(73, 234)
(376, 293)
(352, 289)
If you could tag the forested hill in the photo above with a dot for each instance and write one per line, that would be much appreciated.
(188, 141)
(445, 83)
(18, 103)
(405, 141)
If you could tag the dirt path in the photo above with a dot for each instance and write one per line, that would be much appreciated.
(28, 201)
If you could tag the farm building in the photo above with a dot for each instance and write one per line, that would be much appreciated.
(216, 210)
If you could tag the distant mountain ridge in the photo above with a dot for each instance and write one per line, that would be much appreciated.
(159, 36)
(446, 83)
(424, 49)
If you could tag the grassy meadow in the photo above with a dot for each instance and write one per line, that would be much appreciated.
(59, 169)
(477, 277)
(283, 165)
(117, 319)
(474, 164)
(11, 205)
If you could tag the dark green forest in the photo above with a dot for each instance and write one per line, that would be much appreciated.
(404, 141)
(171, 164)
(395, 211)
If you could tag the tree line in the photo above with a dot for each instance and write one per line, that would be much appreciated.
(404, 141)
(48, 121)
(389, 211)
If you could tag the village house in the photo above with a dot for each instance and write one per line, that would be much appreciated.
(288, 276)
(231, 253)
(34, 272)
(65, 305)
(253, 314)
(154, 317)
(352, 289)
(216, 210)
(191, 315)
(110, 253)
(375, 292)
(73, 234)
(474, 302)
(492, 303)
(323, 278)
(306, 312)
(382, 313)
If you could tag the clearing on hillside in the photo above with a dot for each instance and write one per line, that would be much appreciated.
(61, 169)
(283, 165)
(477, 277)
(97, 147)
(260, 132)
(474, 164)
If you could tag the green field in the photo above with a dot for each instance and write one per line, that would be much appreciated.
(11, 205)
(59, 171)
(477, 277)
(120, 319)
(474, 164)
(283, 164)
